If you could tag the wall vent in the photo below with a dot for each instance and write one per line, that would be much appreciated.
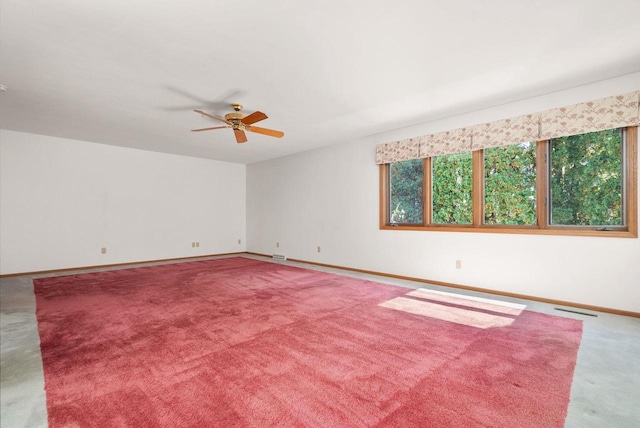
(280, 257)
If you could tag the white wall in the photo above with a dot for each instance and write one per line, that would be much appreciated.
(62, 200)
(329, 198)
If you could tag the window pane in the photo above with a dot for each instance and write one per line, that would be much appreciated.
(510, 184)
(452, 187)
(405, 192)
(586, 178)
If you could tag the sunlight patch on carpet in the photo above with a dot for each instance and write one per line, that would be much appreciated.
(448, 313)
(473, 311)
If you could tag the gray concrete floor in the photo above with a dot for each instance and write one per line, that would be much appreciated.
(605, 390)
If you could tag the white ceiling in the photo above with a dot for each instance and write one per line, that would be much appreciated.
(130, 72)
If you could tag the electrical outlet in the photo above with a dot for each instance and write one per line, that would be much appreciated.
(239, 241)
(458, 264)
(103, 250)
(193, 245)
(277, 245)
(318, 248)
(197, 244)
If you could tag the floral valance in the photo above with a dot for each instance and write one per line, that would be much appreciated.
(504, 132)
(398, 151)
(444, 143)
(606, 113)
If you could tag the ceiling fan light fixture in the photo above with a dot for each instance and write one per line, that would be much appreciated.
(236, 124)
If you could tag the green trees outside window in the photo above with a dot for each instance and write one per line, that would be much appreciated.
(510, 185)
(452, 188)
(405, 192)
(586, 179)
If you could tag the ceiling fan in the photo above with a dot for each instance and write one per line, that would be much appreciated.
(240, 123)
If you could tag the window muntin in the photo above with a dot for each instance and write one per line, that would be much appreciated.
(452, 189)
(510, 185)
(586, 178)
(405, 192)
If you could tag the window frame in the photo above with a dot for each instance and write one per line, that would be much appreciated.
(630, 196)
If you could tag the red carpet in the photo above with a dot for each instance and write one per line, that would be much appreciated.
(239, 342)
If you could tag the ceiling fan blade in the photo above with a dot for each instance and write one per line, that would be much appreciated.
(208, 129)
(254, 117)
(212, 116)
(265, 131)
(241, 137)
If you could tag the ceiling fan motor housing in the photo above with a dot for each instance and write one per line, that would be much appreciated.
(235, 119)
(233, 116)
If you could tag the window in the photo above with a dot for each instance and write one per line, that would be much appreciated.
(405, 192)
(452, 187)
(510, 185)
(586, 177)
(582, 184)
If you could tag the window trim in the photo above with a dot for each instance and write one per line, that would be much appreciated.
(630, 189)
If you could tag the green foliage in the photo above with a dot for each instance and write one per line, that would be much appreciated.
(406, 192)
(510, 184)
(586, 179)
(452, 189)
